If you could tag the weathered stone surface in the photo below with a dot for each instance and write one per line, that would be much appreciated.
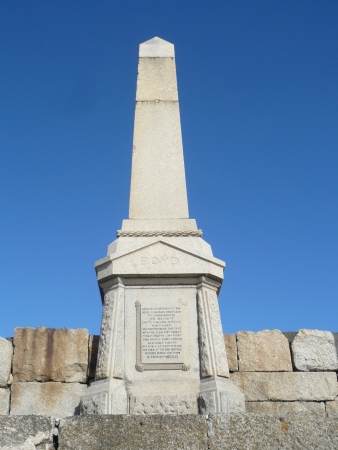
(231, 349)
(211, 341)
(332, 407)
(291, 431)
(220, 395)
(4, 401)
(265, 351)
(16, 432)
(46, 399)
(315, 350)
(151, 258)
(158, 188)
(156, 80)
(165, 404)
(39, 442)
(169, 199)
(6, 352)
(110, 358)
(134, 433)
(298, 431)
(284, 407)
(93, 347)
(48, 354)
(286, 386)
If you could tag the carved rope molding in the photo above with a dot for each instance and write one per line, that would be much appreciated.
(195, 233)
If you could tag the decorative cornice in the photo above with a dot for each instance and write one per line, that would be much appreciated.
(194, 233)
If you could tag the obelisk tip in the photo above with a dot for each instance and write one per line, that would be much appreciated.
(156, 48)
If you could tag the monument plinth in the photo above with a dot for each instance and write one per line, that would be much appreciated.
(161, 345)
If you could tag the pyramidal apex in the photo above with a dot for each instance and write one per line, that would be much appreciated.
(156, 48)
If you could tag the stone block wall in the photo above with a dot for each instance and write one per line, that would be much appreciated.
(45, 371)
(291, 431)
(285, 372)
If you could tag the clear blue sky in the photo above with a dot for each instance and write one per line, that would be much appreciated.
(258, 88)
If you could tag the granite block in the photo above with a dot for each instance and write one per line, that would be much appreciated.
(286, 386)
(315, 350)
(46, 399)
(265, 351)
(48, 354)
(6, 353)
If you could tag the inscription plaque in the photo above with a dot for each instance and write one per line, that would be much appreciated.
(159, 337)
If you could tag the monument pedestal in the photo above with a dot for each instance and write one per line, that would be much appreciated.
(161, 344)
(161, 347)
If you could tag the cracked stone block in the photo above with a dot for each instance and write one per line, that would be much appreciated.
(315, 350)
(6, 353)
(265, 351)
(48, 354)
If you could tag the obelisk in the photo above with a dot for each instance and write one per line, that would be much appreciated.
(161, 347)
(158, 187)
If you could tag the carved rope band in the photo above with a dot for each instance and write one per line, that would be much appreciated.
(195, 233)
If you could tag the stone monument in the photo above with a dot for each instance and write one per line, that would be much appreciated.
(161, 347)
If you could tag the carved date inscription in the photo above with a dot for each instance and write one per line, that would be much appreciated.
(161, 334)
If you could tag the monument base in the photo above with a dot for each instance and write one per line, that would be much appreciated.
(118, 398)
(166, 352)
(105, 397)
(217, 395)
(220, 395)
